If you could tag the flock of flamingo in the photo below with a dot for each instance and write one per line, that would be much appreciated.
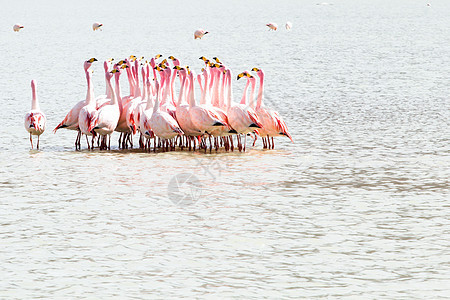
(160, 114)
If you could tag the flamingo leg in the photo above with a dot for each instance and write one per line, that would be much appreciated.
(31, 141)
(37, 146)
(77, 140)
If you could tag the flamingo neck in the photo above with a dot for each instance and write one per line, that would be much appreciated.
(163, 83)
(191, 91)
(130, 81)
(137, 88)
(252, 93)
(222, 92)
(90, 90)
(244, 96)
(149, 96)
(107, 92)
(172, 85)
(180, 97)
(215, 100)
(34, 100)
(202, 90)
(259, 102)
(118, 95)
(113, 94)
(144, 88)
(230, 90)
(156, 106)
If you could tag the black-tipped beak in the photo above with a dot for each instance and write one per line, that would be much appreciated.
(95, 59)
(238, 77)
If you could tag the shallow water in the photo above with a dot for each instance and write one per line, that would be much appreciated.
(357, 207)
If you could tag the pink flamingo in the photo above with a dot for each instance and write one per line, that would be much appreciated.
(202, 116)
(273, 124)
(88, 113)
(144, 121)
(182, 111)
(242, 118)
(35, 120)
(163, 125)
(71, 120)
(124, 102)
(107, 117)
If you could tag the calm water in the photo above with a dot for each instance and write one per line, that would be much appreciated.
(356, 208)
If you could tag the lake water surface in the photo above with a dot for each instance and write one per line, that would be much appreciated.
(358, 207)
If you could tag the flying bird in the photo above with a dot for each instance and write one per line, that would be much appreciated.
(199, 33)
(17, 27)
(272, 26)
(96, 26)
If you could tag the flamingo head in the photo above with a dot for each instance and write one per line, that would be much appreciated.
(240, 75)
(88, 63)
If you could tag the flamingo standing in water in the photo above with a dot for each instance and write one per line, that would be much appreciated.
(163, 125)
(35, 120)
(88, 113)
(242, 118)
(182, 111)
(273, 124)
(71, 120)
(106, 119)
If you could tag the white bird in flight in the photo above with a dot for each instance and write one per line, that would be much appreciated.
(96, 26)
(199, 33)
(17, 27)
(272, 26)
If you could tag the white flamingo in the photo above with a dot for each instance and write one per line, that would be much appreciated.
(35, 119)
